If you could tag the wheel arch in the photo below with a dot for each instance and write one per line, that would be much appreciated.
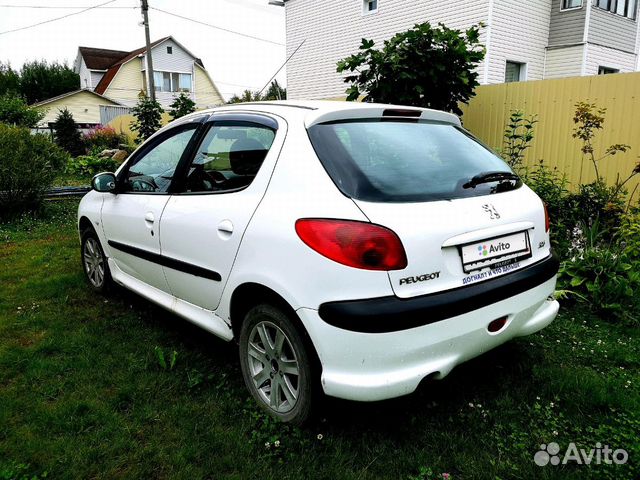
(84, 223)
(250, 294)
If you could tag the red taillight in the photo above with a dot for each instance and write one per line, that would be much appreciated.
(546, 218)
(355, 244)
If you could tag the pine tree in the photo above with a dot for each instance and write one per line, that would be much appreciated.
(67, 135)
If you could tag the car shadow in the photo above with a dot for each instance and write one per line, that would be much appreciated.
(486, 376)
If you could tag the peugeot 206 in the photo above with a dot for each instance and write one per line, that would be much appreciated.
(349, 249)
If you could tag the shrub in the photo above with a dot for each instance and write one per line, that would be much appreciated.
(628, 234)
(148, 116)
(553, 188)
(604, 276)
(67, 135)
(101, 138)
(88, 165)
(15, 111)
(517, 138)
(28, 165)
(182, 105)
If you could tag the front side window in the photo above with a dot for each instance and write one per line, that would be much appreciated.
(566, 4)
(625, 8)
(229, 157)
(382, 161)
(154, 170)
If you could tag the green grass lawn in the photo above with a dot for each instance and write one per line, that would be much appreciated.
(83, 395)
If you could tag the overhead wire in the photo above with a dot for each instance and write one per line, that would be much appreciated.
(216, 26)
(57, 18)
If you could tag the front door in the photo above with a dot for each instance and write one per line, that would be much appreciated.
(202, 227)
(131, 218)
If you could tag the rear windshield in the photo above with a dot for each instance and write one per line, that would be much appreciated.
(400, 161)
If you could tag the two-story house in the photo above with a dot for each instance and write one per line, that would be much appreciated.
(112, 80)
(524, 40)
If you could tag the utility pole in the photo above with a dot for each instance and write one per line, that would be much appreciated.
(150, 82)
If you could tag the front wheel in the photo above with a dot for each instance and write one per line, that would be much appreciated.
(276, 364)
(94, 262)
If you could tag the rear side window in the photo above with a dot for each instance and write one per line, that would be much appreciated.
(400, 161)
(229, 157)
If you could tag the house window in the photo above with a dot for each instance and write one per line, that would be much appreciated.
(169, 50)
(515, 72)
(607, 70)
(172, 81)
(625, 8)
(369, 6)
(568, 4)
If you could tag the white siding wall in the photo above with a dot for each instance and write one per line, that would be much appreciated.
(520, 33)
(178, 61)
(598, 56)
(95, 78)
(333, 30)
(564, 62)
(85, 75)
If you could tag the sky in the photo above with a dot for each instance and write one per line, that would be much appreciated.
(234, 62)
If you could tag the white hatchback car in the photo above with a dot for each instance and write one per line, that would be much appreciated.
(357, 248)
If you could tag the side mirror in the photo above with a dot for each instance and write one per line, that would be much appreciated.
(104, 182)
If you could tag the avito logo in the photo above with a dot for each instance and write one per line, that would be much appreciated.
(483, 251)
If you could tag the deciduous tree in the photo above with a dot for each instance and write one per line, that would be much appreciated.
(425, 66)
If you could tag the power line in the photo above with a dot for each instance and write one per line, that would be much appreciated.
(282, 66)
(58, 18)
(52, 7)
(217, 27)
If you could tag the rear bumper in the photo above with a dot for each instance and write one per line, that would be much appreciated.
(391, 314)
(376, 366)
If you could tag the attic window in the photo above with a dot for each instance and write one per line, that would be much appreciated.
(169, 50)
(369, 6)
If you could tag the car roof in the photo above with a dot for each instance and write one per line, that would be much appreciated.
(320, 111)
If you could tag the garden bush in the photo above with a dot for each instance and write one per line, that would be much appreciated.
(28, 165)
(604, 275)
(88, 165)
(101, 138)
(15, 111)
(592, 230)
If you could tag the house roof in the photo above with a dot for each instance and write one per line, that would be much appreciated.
(113, 68)
(100, 58)
(68, 94)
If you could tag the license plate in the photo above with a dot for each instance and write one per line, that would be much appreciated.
(495, 251)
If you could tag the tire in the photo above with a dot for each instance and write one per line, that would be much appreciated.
(94, 262)
(289, 367)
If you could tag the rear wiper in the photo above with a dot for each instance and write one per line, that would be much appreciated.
(486, 177)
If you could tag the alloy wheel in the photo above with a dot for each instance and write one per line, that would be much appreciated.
(273, 366)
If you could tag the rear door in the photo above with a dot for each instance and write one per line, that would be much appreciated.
(202, 227)
(415, 177)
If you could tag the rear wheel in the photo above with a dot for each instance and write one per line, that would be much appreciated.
(276, 364)
(94, 262)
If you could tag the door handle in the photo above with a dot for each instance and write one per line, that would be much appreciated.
(225, 226)
(149, 217)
